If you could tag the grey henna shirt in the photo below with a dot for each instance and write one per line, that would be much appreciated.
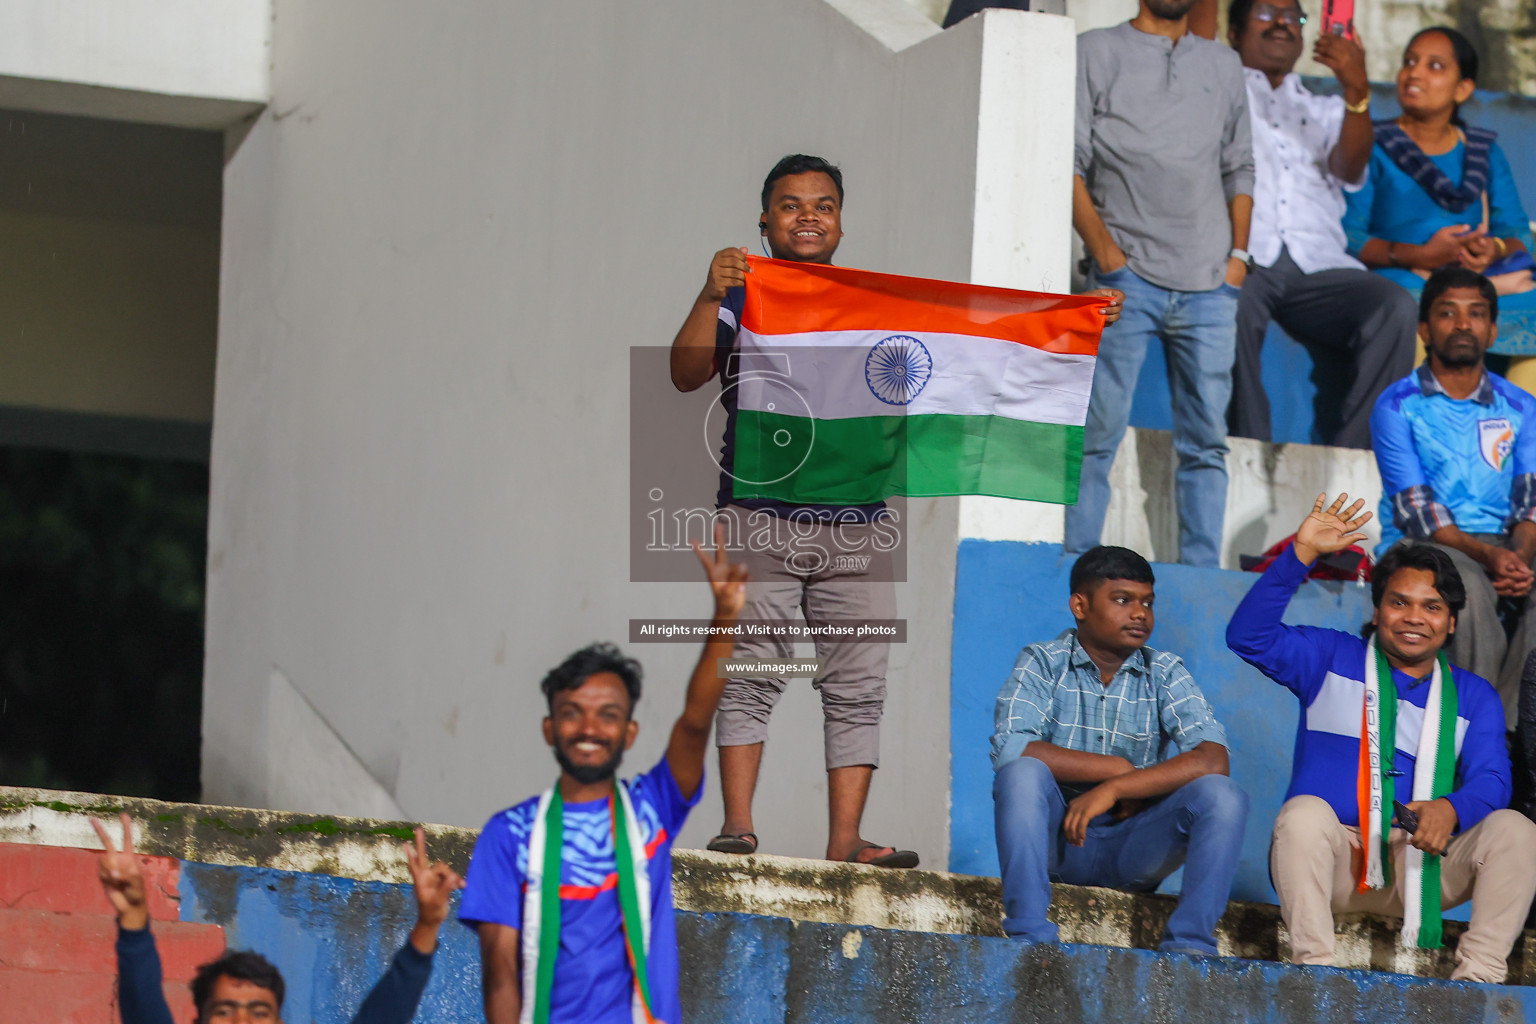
(1164, 144)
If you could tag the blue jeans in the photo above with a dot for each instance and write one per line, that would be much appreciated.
(1199, 335)
(1199, 825)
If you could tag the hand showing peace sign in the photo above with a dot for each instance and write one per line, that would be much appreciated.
(727, 581)
(121, 878)
(1327, 530)
(436, 883)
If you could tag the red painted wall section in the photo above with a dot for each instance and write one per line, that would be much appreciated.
(57, 933)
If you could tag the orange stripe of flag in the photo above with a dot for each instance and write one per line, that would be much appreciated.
(798, 298)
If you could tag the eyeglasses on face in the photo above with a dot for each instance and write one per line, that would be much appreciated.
(1289, 15)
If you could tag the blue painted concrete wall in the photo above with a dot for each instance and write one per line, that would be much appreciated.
(332, 938)
(1305, 383)
(767, 970)
(1008, 595)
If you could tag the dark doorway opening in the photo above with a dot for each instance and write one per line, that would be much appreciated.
(102, 561)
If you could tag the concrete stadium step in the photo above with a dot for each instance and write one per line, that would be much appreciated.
(84, 944)
(65, 881)
(46, 996)
(1270, 490)
(933, 901)
(707, 883)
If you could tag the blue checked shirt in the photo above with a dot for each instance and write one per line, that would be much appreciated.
(1054, 694)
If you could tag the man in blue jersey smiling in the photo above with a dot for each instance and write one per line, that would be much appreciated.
(1456, 445)
(571, 891)
(1400, 776)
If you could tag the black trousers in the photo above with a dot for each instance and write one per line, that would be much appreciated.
(959, 10)
(1355, 311)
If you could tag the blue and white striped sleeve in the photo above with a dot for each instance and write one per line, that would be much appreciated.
(1023, 711)
(1184, 713)
(727, 326)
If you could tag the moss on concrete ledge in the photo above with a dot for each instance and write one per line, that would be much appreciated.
(322, 844)
(800, 890)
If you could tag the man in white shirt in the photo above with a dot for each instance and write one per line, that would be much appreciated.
(1308, 150)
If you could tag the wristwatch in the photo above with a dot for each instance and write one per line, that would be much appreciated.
(1361, 107)
(1243, 256)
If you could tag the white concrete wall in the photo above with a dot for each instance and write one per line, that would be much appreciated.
(194, 63)
(1270, 489)
(109, 267)
(439, 244)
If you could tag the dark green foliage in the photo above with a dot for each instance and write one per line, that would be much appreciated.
(101, 622)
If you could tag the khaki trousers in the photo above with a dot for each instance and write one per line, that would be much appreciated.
(799, 571)
(1314, 861)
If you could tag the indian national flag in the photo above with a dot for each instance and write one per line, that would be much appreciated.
(853, 387)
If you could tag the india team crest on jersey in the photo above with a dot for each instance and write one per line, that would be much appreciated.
(1495, 439)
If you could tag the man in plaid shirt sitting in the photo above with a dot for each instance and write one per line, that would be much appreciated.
(1085, 793)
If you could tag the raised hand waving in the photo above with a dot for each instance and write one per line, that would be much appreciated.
(1326, 530)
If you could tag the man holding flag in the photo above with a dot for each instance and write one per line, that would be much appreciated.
(1400, 776)
(842, 388)
(801, 221)
(571, 891)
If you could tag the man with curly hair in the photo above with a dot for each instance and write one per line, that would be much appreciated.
(571, 891)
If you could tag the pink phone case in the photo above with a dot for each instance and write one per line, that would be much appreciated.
(1338, 17)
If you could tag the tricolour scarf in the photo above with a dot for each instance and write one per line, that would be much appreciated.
(541, 902)
(1433, 777)
(1414, 162)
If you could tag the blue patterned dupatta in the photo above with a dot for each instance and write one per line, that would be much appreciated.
(1412, 161)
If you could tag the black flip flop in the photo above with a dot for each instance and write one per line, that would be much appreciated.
(744, 843)
(895, 859)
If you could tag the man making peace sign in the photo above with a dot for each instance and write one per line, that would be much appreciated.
(243, 985)
(571, 891)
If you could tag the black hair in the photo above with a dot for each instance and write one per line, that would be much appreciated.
(799, 163)
(1446, 278)
(242, 965)
(587, 662)
(1466, 57)
(1237, 15)
(1105, 562)
(1430, 559)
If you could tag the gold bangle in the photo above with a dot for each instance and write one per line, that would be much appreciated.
(1361, 107)
(1500, 246)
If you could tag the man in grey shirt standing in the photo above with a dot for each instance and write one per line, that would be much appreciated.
(1161, 196)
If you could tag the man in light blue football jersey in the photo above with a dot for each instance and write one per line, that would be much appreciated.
(1456, 445)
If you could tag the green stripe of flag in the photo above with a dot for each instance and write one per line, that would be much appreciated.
(865, 459)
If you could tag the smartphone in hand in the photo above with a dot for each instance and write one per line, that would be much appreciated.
(1339, 17)
(1406, 819)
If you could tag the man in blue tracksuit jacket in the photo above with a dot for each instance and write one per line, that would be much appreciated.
(241, 985)
(1488, 853)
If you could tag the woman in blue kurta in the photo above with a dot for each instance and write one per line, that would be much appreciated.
(1433, 183)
